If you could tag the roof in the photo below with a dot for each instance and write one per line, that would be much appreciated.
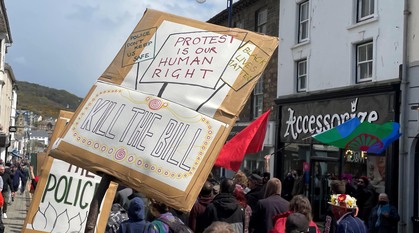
(4, 22)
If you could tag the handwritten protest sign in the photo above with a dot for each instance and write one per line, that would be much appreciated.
(62, 198)
(160, 113)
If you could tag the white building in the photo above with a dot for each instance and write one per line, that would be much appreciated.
(7, 84)
(343, 58)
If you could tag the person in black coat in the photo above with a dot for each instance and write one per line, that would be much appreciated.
(384, 217)
(225, 208)
(273, 204)
(256, 190)
(7, 187)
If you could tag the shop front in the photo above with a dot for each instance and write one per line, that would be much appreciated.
(316, 164)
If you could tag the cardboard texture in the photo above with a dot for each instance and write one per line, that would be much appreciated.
(63, 195)
(160, 113)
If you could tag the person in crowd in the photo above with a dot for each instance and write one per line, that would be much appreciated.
(256, 190)
(121, 196)
(24, 178)
(165, 221)
(241, 198)
(288, 184)
(241, 179)
(344, 208)
(299, 185)
(136, 222)
(7, 187)
(205, 197)
(226, 208)
(350, 189)
(16, 176)
(336, 186)
(219, 227)
(267, 208)
(30, 175)
(296, 223)
(298, 204)
(366, 197)
(146, 201)
(216, 184)
(1, 205)
(34, 183)
(384, 216)
(117, 215)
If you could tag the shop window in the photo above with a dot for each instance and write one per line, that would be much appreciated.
(364, 61)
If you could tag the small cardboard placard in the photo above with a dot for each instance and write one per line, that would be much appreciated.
(160, 113)
(62, 198)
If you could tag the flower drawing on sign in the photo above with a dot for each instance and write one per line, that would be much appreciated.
(49, 220)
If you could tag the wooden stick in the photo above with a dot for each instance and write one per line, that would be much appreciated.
(96, 202)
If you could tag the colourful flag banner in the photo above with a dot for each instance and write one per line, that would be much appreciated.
(249, 140)
(365, 136)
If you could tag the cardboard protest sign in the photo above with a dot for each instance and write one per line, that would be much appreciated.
(160, 113)
(62, 197)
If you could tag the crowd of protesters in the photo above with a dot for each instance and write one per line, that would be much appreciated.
(16, 177)
(258, 203)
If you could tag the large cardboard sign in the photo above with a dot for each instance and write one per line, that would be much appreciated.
(160, 113)
(61, 201)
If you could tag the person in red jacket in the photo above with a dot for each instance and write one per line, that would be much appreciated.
(298, 204)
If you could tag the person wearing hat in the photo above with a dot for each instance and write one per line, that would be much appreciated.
(336, 186)
(344, 209)
(296, 223)
(256, 190)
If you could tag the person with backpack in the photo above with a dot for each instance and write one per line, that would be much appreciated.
(165, 221)
(136, 222)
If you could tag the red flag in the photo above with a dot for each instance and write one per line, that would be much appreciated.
(249, 140)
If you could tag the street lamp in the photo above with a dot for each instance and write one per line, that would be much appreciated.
(229, 10)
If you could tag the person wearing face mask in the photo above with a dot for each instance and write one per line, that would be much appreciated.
(384, 217)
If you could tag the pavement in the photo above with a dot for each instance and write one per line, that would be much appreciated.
(16, 213)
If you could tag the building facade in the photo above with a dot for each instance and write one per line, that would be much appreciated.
(260, 16)
(7, 84)
(339, 59)
(408, 203)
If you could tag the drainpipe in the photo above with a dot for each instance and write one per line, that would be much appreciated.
(403, 168)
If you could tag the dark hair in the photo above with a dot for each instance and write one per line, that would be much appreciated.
(159, 206)
(206, 190)
(337, 186)
(296, 223)
(227, 186)
(365, 179)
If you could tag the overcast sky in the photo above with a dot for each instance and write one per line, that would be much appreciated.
(68, 44)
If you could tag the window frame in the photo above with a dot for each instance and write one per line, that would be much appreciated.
(369, 61)
(262, 22)
(257, 107)
(360, 10)
(303, 22)
(301, 76)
